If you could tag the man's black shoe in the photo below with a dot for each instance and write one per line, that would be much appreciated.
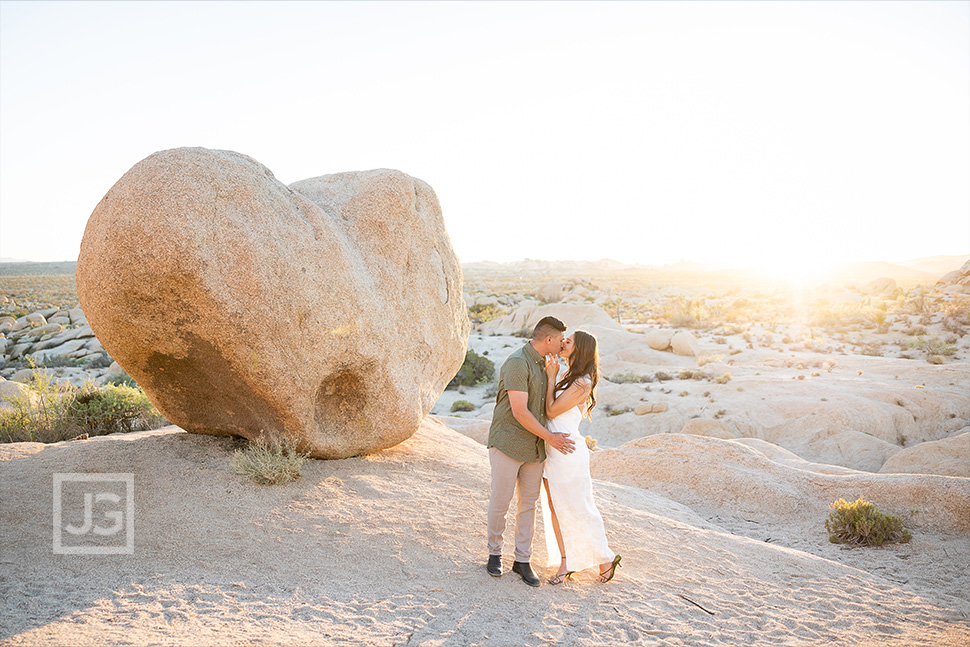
(494, 566)
(525, 570)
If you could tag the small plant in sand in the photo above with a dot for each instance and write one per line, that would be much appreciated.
(616, 411)
(627, 378)
(723, 378)
(269, 462)
(462, 405)
(688, 374)
(861, 524)
(475, 370)
(707, 359)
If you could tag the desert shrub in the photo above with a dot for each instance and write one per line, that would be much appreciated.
(122, 380)
(474, 370)
(525, 333)
(49, 412)
(662, 376)
(707, 359)
(627, 378)
(932, 346)
(875, 315)
(723, 379)
(269, 462)
(491, 390)
(616, 411)
(872, 350)
(688, 374)
(112, 409)
(861, 524)
(935, 359)
(58, 361)
(915, 331)
(680, 311)
(100, 361)
(482, 312)
(462, 405)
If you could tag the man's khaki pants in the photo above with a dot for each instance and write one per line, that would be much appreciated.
(506, 474)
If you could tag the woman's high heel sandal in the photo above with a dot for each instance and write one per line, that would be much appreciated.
(559, 579)
(607, 575)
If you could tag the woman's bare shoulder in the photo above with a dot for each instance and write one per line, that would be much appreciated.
(584, 381)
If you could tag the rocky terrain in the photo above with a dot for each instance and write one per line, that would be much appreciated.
(731, 413)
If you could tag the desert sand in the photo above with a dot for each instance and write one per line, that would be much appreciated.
(388, 549)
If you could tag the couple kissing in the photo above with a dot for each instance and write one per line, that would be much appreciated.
(534, 444)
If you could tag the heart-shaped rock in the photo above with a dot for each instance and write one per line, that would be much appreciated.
(329, 312)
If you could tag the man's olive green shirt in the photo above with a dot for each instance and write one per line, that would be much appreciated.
(524, 370)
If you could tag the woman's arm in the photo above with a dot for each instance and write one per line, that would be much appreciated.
(552, 371)
(575, 395)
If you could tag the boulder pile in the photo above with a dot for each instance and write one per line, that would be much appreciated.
(48, 334)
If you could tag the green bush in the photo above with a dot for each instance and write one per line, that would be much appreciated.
(932, 346)
(49, 412)
(102, 360)
(861, 524)
(113, 408)
(616, 411)
(57, 361)
(474, 370)
(482, 312)
(462, 405)
(269, 462)
(122, 380)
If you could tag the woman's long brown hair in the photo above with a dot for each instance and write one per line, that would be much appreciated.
(585, 360)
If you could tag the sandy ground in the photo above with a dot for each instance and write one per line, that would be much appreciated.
(389, 550)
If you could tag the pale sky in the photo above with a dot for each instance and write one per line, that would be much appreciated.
(648, 132)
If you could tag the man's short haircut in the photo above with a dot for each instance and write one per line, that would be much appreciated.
(547, 326)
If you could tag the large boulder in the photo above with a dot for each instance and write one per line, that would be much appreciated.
(329, 312)
(659, 338)
(685, 343)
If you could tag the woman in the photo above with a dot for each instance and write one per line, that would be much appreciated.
(571, 516)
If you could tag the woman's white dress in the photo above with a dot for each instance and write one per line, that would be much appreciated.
(583, 534)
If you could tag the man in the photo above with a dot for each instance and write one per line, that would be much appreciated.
(516, 445)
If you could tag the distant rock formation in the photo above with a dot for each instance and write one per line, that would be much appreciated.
(329, 312)
(550, 292)
(48, 334)
(957, 280)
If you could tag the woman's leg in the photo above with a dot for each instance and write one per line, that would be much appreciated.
(555, 527)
